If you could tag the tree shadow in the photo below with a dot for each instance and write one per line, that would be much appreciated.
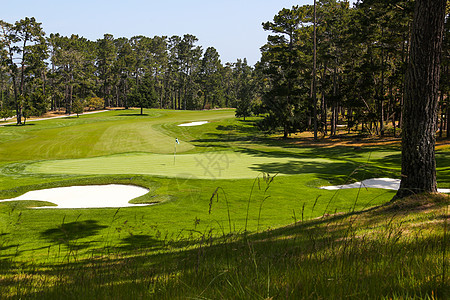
(133, 115)
(343, 243)
(139, 242)
(301, 167)
(68, 234)
(5, 245)
(20, 125)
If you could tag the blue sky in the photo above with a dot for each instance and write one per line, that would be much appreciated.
(233, 27)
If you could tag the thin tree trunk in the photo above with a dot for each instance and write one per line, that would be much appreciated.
(22, 67)
(391, 96)
(70, 98)
(350, 120)
(324, 102)
(381, 96)
(324, 115)
(447, 118)
(314, 75)
(205, 97)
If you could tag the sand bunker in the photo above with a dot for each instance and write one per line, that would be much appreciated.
(193, 123)
(90, 196)
(379, 183)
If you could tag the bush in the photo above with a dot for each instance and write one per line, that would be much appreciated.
(6, 113)
(78, 106)
(96, 103)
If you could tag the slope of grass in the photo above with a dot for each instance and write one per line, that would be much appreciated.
(396, 251)
(183, 210)
(99, 134)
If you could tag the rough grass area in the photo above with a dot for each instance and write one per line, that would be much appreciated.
(394, 251)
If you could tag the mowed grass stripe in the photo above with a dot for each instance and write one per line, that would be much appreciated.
(207, 165)
(103, 134)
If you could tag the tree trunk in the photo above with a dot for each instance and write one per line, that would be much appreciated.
(421, 99)
(314, 75)
(205, 97)
(323, 103)
(447, 117)
(333, 119)
(324, 115)
(405, 59)
(441, 114)
(382, 91)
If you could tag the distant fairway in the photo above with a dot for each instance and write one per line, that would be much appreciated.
(106, 133)
(207, 165)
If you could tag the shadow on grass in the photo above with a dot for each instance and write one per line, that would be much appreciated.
(302, 167)
(3, 248)
(139, 242)
(68, 234)
(356, 255)
(19, 125)
(133, 115)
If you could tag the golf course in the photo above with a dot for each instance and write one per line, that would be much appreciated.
(214, 198)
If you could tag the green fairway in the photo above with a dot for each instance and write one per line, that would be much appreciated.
(227, 158)
(207, 165)
(101, 134)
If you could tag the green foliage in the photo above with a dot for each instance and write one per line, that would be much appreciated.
(285, 66)
(184, 76)
(72, 74)
(361, 63)
(36, 105)
(144, 95)
(210, 76)
(6, 113)
(78, 106)
(23, 44)
(106, 55)
(246, 89)
(95, 103)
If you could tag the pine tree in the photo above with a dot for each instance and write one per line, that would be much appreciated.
(420, 108)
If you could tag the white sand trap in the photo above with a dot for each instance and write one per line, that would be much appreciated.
(193, 123)
(379, 183)
(89, 196)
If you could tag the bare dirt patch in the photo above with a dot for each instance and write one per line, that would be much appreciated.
(306, 139)
(344, 140)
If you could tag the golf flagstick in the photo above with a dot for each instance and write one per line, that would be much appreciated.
(175, 150)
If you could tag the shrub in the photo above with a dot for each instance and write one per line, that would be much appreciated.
(96, 103)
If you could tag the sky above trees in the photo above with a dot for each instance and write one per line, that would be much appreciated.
(233, 27)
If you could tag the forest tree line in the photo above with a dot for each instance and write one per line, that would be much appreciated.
(362, 57)
(39, 73)
(362, 54)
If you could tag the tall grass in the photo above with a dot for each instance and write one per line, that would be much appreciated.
(395, 251)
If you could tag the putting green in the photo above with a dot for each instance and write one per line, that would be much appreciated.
(206, 165)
